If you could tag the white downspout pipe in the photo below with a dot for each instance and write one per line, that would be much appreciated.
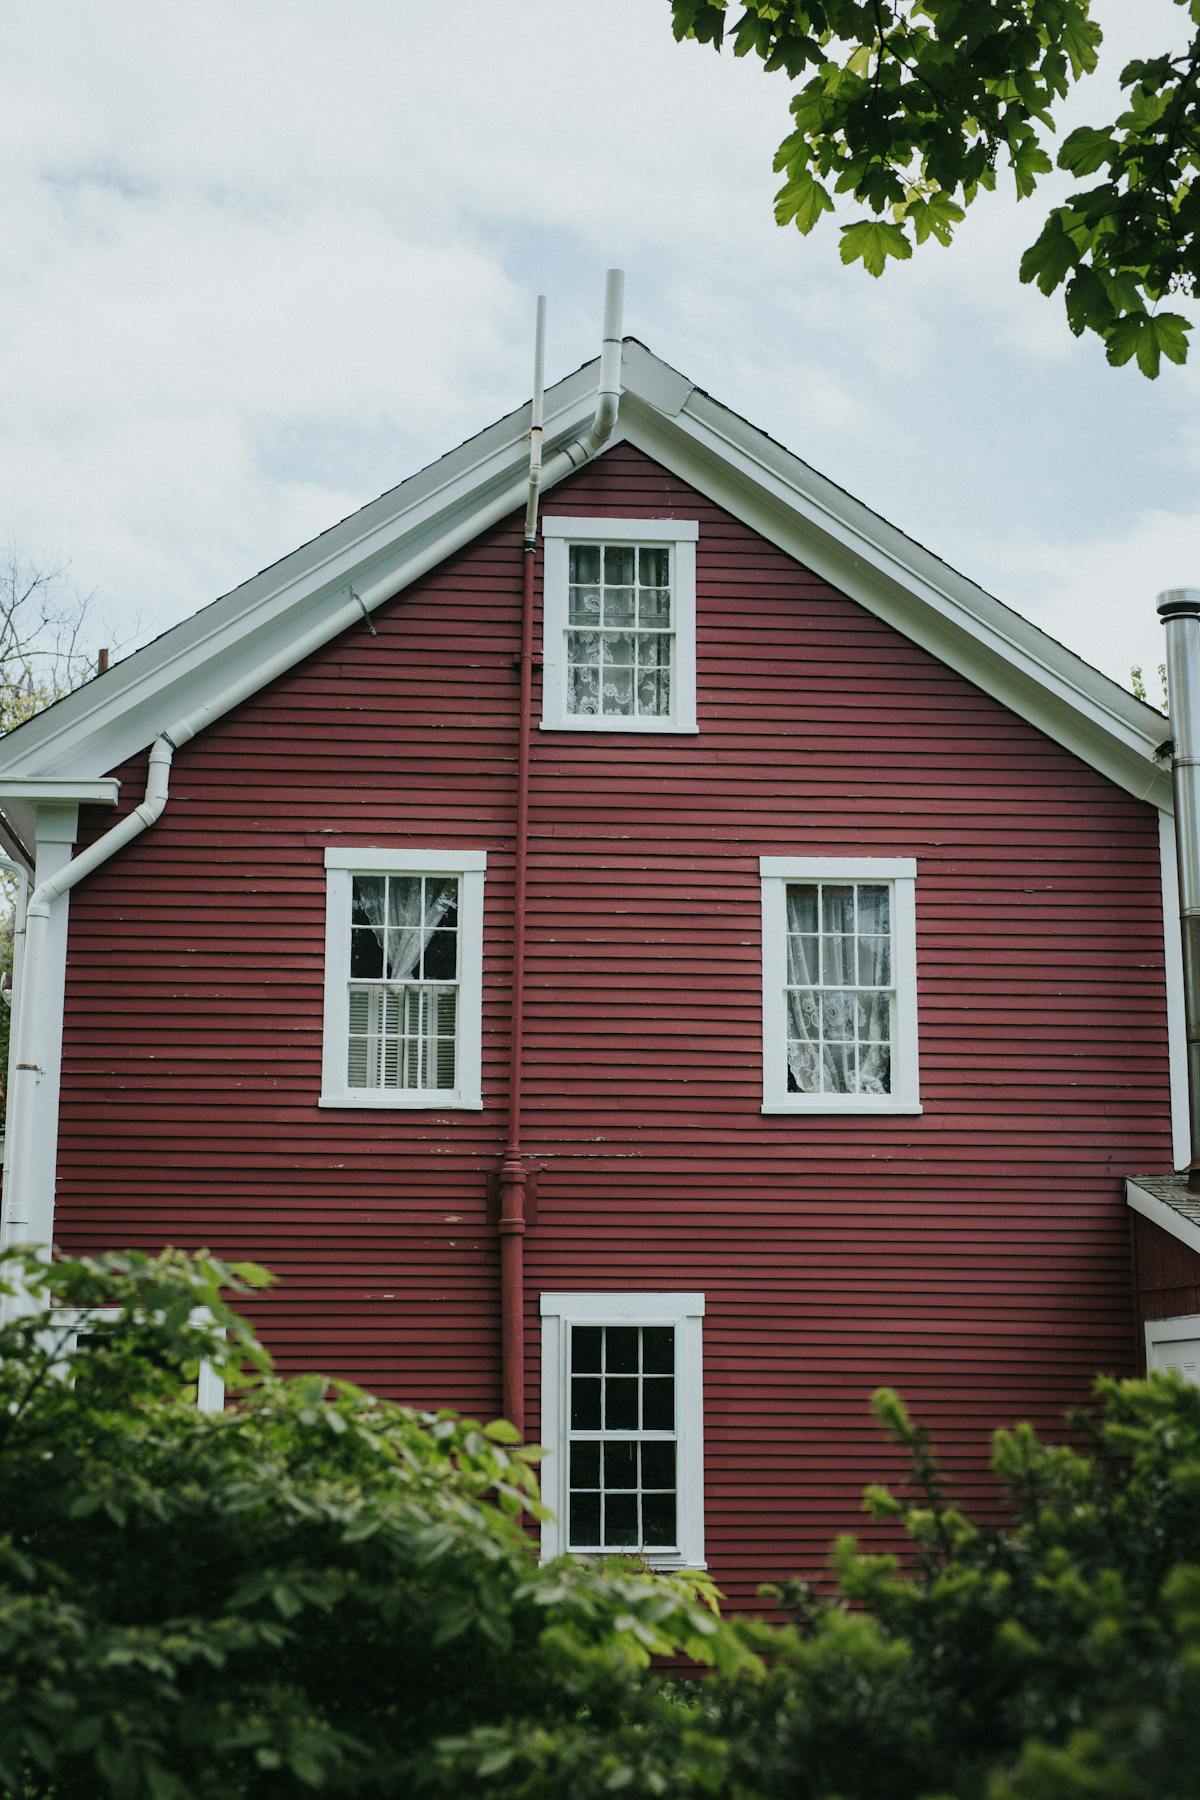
(30, 1056)
(1179, 610)
(29, 1061)
(537, 412)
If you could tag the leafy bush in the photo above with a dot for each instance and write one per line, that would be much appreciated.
(317, 1591)
(306, 1592)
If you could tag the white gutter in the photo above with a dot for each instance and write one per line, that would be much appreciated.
(31, 1056)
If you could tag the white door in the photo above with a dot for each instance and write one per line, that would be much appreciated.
(1174, 1344)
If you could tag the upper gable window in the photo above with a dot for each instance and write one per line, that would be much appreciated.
(619, 634)
(839, 985)
(403, 978)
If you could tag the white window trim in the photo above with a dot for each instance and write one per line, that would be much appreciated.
(681, 535)
(901, 872)
(685, 1312)
(210, 1383)
(341, 864)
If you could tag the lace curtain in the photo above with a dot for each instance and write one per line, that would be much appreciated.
(839, 1022)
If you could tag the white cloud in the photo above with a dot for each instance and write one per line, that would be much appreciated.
(261, 262)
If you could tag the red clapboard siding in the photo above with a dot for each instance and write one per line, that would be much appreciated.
(976, 1256)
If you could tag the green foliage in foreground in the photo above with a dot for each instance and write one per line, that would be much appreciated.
(318, 1592)
(907, 105)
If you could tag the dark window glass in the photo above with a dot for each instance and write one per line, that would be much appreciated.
(621, 1343)
(658, 1519)
(621, 1404)
(585, 1405)
(620, 1466)
(658, 1405)
(658, 1350)
(585, 1465)
(658, 1465)
(620, 1519)
(585, 1348)
(585, 1518)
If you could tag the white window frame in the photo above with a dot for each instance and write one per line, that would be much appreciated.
(900, 873)
(686, 1313)
(680, 535)
(1183, 1326)
(210, 1383)
(341, 865)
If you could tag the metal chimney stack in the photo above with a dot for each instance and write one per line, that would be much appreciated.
(1179, 610)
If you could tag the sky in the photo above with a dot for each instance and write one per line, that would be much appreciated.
(262, 261)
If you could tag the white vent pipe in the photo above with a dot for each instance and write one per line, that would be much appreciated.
(1179, 610)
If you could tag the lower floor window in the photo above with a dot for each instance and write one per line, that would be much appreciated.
(72, 1332)
(622, 1425)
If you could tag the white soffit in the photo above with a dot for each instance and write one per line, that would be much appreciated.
(738, 466)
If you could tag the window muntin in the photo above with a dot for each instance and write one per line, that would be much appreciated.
(403, 982)
(620, 631)
(403, 978)
(840, 994)
(622, 1426)
(619, 624)
(839, 984)
(621, 1456)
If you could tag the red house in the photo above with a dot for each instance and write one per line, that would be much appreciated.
(818, 908)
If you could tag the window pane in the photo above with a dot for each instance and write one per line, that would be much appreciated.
(838, 1069)
(441, 956)
(654, 567)
(804, 1067)
(617, 691)
(404, 900)
(875, 961)
(618, 565)
(658, 1465)
(875, 1018)
(658, 1520)
(583, 691)
(837, 908)
(366, 904)
(617, 647)
(583, 606)
(585, 1465)
(837, 961)
(621, 1350)
(585, 1348)
(654, 650)
(802, 909)
(618, 606)
(874, 1069)
(366, 953)
(654, 695)
(583, 647)
(874, 910)
(620, 1519)
(654, 606)
(658, 1349)
(584, 562)
(620, 1466)
(585, 1519)
(441, 901)
(803, 962)
(837, 1017)
(658, 1404)
(620, 1404)
(585, 1404)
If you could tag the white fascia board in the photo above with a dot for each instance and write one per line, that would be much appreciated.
(896, 579)
(81, 790)
(119, 713)
(1162, 1215)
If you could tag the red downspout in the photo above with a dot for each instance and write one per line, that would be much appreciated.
(512, 1167)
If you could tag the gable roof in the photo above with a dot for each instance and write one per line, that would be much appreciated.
(218, 652)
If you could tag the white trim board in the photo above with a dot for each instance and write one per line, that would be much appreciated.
(112, 717)
(1181, 1149)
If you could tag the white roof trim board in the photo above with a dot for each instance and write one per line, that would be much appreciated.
(117, 714)
(1168, 1202)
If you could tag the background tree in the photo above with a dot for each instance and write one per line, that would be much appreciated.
(907, 106)
(47, 648)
